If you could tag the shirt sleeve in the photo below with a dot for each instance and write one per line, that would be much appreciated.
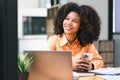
(97, 59)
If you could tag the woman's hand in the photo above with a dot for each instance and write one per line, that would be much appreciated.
(81, 64)
(76, 63)
(85, 65)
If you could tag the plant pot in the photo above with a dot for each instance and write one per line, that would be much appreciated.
(23, 76)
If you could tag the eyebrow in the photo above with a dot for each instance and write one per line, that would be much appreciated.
(73, 18)
(77, 19)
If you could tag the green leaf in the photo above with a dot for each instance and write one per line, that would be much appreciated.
(24, 61)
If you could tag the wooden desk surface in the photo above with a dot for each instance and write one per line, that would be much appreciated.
(91, 78)
(96, 77)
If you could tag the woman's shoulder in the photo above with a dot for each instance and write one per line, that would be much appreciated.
(54, 37)
(90, 45)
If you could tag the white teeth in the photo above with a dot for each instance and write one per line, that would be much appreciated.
(68, 28)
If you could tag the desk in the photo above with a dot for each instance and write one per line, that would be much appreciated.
(107, 71)
(92, 78)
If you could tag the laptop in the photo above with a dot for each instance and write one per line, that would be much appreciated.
(50, 65)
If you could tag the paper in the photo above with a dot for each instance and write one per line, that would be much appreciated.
(110, 77)
(76, 75)
(83, 74)
(108, 70)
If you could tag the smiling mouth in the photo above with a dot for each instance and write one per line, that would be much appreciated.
(68, 28)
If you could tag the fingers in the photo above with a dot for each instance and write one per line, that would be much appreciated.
(83, 66)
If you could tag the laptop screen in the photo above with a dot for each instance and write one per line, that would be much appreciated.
(50, 65)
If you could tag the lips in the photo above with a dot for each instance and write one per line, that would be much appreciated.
(68, 28)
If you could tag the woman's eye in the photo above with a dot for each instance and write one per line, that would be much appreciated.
(73, 20)
(67, 18)
(76, 21)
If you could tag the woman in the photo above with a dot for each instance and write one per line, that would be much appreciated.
(75, 29)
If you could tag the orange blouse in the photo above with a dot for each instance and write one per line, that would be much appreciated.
(60, 42)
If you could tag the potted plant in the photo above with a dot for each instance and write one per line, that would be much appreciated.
(23, 61)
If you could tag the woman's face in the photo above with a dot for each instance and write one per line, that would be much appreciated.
(71, 23)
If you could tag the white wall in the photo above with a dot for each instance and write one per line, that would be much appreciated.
(22, 4)
(32, 44)
(117, 16)
(30, 8)
(101, 6)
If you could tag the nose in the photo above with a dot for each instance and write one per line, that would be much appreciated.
(69, 22)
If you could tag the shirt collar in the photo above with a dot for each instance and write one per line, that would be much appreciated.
(64, 40)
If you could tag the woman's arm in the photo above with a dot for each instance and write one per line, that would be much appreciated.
(97, 59)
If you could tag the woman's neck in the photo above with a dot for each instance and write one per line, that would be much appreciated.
(71, 38)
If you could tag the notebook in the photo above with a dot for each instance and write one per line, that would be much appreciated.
(50, 65)
(107, 71)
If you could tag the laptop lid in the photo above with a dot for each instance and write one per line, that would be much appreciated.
(50, 65)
